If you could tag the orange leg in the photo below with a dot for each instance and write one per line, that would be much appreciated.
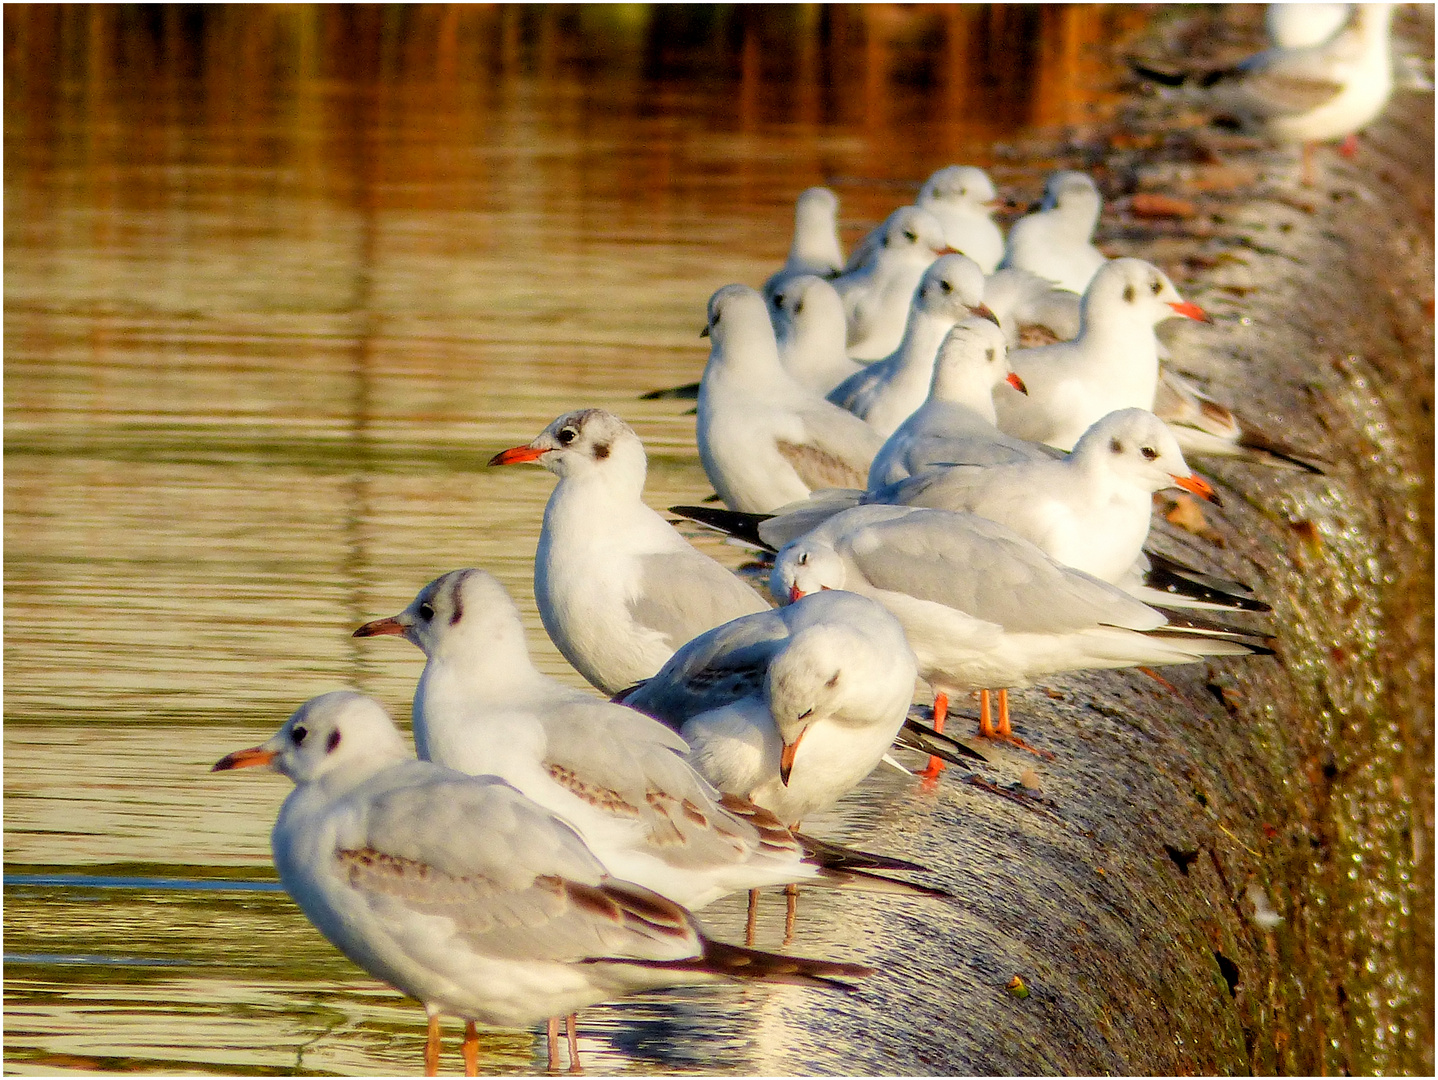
(791, 892)
(1005, 731)
(553, 1038)
(986, 716)
(431, 1047)
(470, 1049)
(753, 920)
(571, 1031)
(941, 713)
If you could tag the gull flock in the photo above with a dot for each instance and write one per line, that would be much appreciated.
(938, 505)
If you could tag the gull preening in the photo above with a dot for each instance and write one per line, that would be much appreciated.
(617, 587)
(789, 708)
(462, 893)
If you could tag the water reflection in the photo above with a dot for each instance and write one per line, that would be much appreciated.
(278, 280)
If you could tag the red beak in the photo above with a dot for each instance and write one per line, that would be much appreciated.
(946, 250)
(795, 593)
(1013, 380)
(1199, 486)
(517, 454)
(1190, 311)
(391, 625)
(244, 759)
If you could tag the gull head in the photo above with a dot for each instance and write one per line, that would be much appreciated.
(1138, 448)
(974, 356)
(338, 730)
(455, 613)
(806, 566)
(953, 286)
(582, 442)
(1134, 292)
(960, 187)
(914, 233)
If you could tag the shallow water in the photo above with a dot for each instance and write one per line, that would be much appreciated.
(278, 282)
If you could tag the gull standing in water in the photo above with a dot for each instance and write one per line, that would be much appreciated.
(462, 893)
(618, 588)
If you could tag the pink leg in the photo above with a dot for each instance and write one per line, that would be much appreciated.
(571, 1031)
(431, 1047)
(553, 1034)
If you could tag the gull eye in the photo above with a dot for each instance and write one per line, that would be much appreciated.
(945, 287)
(1115, 446)
(298, 733)
(568, 435)
(804, 559)
(1148, 452)
(911, 236)
(425, 611)
(1128, 293)
(1156, 286)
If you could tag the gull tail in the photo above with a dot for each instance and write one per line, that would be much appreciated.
(687, 392)
(916, 736)
(736, 523)
(735, 962)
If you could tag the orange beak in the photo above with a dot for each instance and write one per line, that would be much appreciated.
(786, 758)
(1190, 311)
(392, 625)
(1199, 486)
(946, 250)
(1018, 384)
(517, 454)
(244, 759)
(984, 312)
(795, 594)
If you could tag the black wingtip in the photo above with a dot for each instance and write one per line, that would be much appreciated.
(687, 392)
(739, 524)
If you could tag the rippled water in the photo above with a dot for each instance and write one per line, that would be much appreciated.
(278, 282)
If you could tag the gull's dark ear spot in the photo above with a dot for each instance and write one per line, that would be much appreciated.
(332, 741)
(601, 451)
(1128, 293)
(1115, 446)
(832, 681)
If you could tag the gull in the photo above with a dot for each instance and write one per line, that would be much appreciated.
(877, 294)
(810, 330)
(1090, 510)
(815, 248)
(462, 893)
(983, 608)
(791, 708)
(1111, 364)
(963, 200)
(885, 393)
(1320, 92)
(618, 588)
(1056, 242)
(764, 439)
(956, 424)
(1306, 94)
